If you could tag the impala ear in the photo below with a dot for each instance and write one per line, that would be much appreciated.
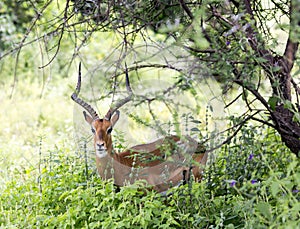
(88, 118)
(115, 118)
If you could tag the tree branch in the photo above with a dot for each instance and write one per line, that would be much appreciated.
(186, 9)
(240, 126)
(292, 45)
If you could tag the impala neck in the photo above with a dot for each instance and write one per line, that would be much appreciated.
(104, 161)
(110, 165)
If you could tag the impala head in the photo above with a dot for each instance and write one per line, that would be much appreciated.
(101, 127)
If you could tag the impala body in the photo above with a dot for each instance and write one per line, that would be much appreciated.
(164, 163)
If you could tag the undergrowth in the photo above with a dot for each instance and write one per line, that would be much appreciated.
(253, 183)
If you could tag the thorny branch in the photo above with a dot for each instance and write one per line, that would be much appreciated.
(127, 21)
(21, 45)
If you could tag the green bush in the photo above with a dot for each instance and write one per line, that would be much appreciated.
(253, 183)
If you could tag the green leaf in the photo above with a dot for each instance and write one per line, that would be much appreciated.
(275, 188)
(195, 129)
(276, 69)
(288, 105)
(296, 117)
(273, 102)
(265, 209)
(261, 60)
(196, 121)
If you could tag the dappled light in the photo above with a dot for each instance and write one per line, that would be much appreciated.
(149, 114)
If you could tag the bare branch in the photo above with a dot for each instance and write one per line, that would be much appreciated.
(115, 107)
(186, 9)
(29, 30)
(65, 21)
(233, 101)
(240, 126)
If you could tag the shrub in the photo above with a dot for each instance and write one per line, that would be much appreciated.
(253, 183)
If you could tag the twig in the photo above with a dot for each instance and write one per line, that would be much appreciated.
(30, 28)
(240, 126)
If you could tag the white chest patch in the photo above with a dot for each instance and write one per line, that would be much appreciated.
(101, 154)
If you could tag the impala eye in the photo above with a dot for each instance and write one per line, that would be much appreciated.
(109, 130)
(93, 130)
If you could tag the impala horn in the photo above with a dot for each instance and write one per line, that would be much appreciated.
(78, 100)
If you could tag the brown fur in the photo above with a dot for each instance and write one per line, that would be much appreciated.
(149, 159)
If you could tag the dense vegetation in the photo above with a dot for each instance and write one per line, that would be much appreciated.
(48, 178)
(252, 184)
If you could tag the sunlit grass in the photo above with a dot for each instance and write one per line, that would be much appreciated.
(30, 124)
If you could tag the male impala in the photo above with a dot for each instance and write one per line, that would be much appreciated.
(162, 164)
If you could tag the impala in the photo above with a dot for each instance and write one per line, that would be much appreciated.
(164, 163)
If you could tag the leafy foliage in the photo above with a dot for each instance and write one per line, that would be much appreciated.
(15, 16)
(235, 42)
(249, 185)
(252, 183)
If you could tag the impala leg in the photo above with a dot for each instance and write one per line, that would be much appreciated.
(184, 180)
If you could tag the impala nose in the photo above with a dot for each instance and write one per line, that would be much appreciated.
(100, 146)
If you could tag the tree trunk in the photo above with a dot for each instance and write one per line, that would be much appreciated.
(287, 128)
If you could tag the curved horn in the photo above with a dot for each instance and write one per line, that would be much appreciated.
(114, 108)
(78, 100)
